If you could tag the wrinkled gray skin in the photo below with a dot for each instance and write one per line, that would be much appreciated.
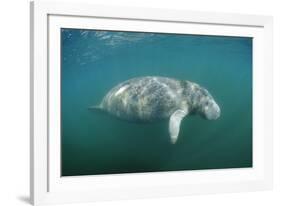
(146, 99)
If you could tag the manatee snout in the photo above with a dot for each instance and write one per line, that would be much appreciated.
(212, 111)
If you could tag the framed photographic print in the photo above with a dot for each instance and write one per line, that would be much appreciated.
(135, 103)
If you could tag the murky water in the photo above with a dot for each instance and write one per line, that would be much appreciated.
(97, 143)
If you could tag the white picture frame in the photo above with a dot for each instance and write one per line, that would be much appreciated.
(47, 186)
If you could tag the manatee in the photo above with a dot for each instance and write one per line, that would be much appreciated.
(152, 98)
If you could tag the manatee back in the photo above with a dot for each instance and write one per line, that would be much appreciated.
(143, 99)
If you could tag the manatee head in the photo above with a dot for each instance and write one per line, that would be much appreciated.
(208, 108)
(202, 101)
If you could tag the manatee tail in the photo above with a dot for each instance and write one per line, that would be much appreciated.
(95, 107)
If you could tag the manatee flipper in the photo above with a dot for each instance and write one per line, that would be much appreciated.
(174, 124)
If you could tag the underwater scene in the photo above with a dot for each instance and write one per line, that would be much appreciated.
(152, 102)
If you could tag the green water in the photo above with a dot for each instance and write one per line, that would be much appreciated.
(96, 143)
